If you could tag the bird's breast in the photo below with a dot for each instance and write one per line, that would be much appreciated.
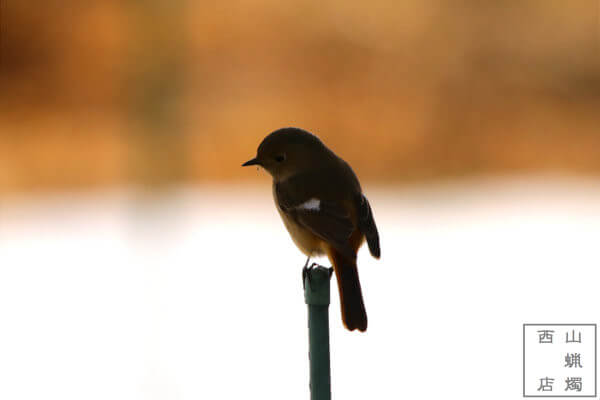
(305, 240)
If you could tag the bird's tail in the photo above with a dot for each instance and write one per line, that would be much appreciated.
(354, 314)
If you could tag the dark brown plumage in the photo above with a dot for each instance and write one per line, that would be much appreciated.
(321, 204)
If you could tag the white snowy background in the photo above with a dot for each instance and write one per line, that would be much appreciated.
(197, 293)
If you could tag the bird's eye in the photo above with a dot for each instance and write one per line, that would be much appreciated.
(280, 158)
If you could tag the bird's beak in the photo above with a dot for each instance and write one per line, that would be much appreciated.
(254, 161)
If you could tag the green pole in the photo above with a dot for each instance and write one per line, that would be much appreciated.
(316, 296)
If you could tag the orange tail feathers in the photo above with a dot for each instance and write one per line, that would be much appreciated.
(354, 314)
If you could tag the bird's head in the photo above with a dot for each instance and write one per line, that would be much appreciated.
(287, 152)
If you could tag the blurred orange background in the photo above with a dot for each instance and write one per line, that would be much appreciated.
(154, 92)
(136, 263)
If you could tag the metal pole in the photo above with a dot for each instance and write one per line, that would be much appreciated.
(316, 296)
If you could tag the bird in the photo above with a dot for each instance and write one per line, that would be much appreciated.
(321, 203)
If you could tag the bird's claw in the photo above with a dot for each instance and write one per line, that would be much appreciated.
(307, 269)
(305, 272)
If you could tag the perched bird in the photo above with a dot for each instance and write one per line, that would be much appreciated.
(322, 206)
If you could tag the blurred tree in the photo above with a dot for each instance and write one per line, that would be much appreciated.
(156, 76)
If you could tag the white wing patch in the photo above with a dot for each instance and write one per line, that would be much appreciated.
(312, 205)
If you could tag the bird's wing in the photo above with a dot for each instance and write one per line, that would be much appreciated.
(366, 224)
(326, 219)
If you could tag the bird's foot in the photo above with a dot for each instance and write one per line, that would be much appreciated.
(304, 273)
(306, 270)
